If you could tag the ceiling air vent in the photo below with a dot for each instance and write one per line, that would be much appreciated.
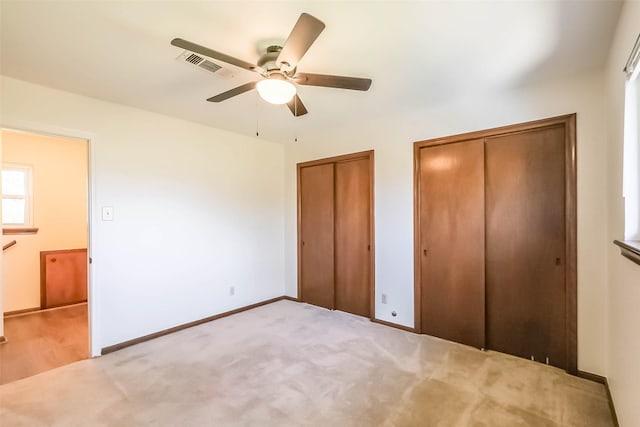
(208, 65)
(205, 64)
(194, 59)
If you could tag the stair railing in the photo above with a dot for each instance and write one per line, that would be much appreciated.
(8, 245)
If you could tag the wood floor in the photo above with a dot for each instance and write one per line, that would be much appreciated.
(43, 340)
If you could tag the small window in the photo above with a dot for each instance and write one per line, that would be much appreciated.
(16, 195)
(631, 167)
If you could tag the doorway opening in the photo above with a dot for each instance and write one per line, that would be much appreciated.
(45, 263)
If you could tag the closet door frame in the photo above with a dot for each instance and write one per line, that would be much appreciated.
(571, 310)
(369, 154)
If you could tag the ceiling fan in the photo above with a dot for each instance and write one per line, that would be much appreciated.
(278, 68)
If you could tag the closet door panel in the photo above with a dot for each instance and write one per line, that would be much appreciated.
(317, 234)
(451, 215)
(525, 244)
(352, 245)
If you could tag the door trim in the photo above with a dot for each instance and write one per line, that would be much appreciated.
(369, 154)
(571, 276)
(90, 139)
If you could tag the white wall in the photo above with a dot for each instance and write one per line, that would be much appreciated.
(59, 199)
(624, 276)
(196, 210)
(392, 140)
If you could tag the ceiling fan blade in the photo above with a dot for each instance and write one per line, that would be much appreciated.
(341, 82)
(193, 47)
(304, 33)
(296, 106)
(233, 92)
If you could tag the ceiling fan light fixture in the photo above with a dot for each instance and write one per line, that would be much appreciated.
(278, 68)
(276, 91)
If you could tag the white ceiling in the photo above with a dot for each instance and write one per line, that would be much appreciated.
(417, 53)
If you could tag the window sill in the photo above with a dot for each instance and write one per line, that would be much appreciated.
(629, 249)
(20, 230)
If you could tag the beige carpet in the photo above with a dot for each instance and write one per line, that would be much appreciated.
(290, 364)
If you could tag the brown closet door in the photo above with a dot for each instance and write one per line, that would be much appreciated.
(525, 244)
(353, 204)
(452, 242)
(316, 222)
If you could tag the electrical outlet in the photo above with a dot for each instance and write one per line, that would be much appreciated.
(383, 298)
(232, 290)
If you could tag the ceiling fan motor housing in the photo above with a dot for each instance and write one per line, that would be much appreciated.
(268, 61)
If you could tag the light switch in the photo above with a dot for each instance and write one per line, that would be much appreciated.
(107, 213)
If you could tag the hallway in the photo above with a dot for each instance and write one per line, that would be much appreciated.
(43, 340)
